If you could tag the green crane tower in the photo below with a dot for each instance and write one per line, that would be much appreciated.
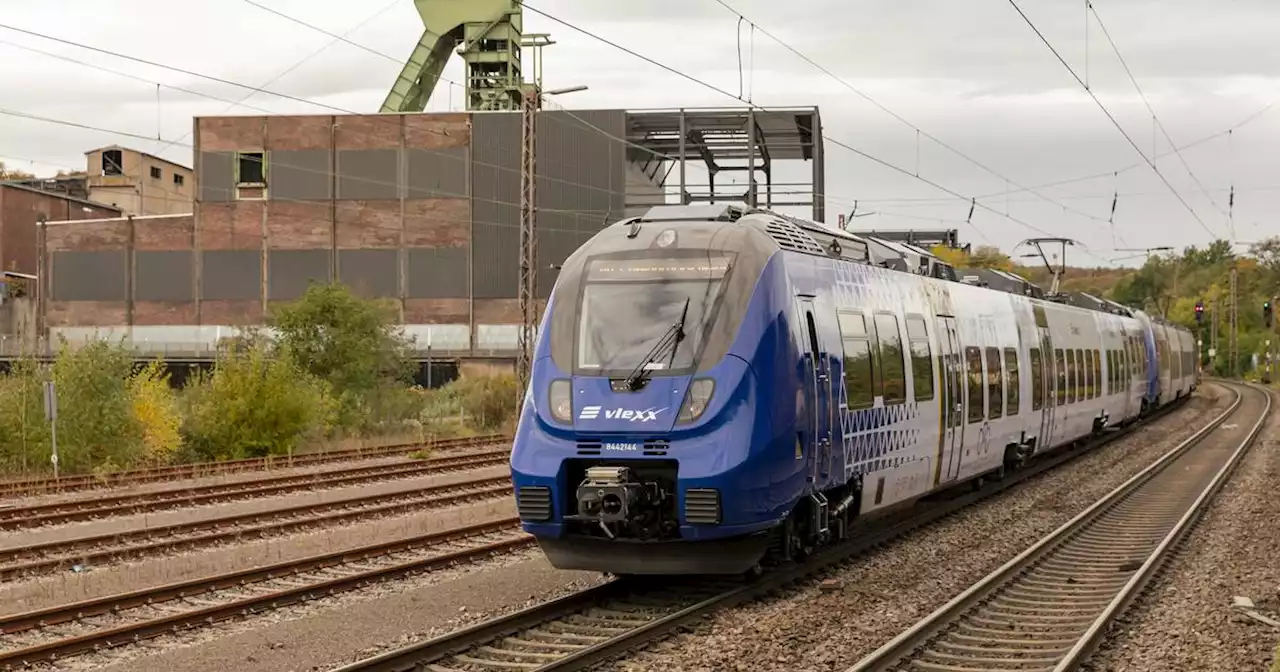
(489, 36)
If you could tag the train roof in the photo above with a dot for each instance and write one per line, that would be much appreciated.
(808, 237)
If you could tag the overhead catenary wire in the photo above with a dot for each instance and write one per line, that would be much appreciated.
(919, 131)
(1155, 118)
(1112, 118)
(843, 145)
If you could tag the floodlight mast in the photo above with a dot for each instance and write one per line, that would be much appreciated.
(1057, 273)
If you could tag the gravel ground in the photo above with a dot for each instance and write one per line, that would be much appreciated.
(335, 631)
(832, 624)
(1185, 620)
(187, 515)
(65, 587)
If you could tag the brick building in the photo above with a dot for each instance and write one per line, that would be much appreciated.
(21, 207)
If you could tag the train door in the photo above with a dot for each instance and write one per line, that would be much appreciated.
(952, 404)
(1048, 376)
(819, 372)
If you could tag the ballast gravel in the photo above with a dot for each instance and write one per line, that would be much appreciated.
(832, 623)
(1185, 620)
(336, 631)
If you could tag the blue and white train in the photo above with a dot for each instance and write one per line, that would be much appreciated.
(714, 387)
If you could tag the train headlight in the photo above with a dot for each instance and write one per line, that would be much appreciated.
(561, 400)
(695, 402)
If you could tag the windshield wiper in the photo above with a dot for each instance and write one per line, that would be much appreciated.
(671, 338)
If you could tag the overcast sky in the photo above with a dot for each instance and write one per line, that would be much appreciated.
(972, 74)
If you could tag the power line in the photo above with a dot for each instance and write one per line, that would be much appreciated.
(1112, 118)
(859, 152)
(920, 132)
(1150, 109)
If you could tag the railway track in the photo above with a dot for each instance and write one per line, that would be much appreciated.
(1049, 607)
(35, 486)
(57, 632)
(18, 561)
(586, 628)
(37, 515)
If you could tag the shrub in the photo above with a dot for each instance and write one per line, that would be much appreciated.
(480, 402)
(155, 407)
(255, 405)
(96, 424)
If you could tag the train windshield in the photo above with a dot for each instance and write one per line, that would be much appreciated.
(629, 305)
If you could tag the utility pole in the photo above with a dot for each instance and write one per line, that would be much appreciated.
(528, 291)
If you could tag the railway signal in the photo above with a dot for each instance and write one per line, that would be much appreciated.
(1266, 312)
(1199, 311)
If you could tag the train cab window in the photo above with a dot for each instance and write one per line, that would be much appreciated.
(1061, 368)
(1097, 374)
(1012, 383)
(1037, 380)
(976, 384)
(859, 371)
(892, 370)
(995, 384)
(921, 359)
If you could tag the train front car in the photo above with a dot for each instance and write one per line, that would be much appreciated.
(643, 447)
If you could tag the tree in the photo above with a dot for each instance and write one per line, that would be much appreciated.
(350, 343)
(254, 404)
(14, 174)
(990, 256)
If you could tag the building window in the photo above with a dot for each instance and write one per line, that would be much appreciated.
(251, 168)
(178, 180)
(112, 162)
(155, 173)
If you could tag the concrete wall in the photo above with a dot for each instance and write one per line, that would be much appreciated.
(421, 209)
(21, 209)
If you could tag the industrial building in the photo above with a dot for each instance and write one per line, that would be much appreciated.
(136, 182)
(435, 212)
(420, 209)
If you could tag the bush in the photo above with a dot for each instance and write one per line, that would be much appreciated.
(482, 402)
(155, 408)
(254, 405)
(96, 423)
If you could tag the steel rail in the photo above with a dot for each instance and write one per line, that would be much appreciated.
(136, 543)
(1048, 607)
(287, 573)
(584, 629)
(22, 517)
(42, 485)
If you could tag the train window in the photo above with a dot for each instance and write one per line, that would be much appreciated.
(1097, 373)
(1062, 376)
(995, 384)
(859, 371)
(1090, 382)
(1081, 376)
(1011, 381)
(1037, 380)
(921, 359)
(973, 356)
(1111, 372)
(892, 371)
(1071, 376)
